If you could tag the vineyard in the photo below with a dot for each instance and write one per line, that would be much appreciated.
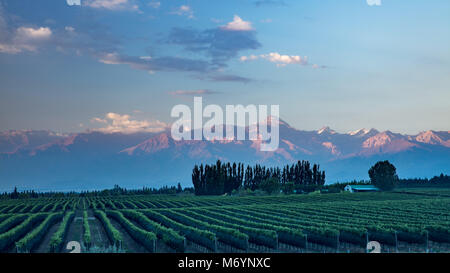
(344, 222)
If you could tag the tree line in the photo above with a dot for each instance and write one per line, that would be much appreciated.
(441, 180)
(26, 194)
(436, 181)
(220, 178)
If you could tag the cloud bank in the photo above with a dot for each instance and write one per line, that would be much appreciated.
(184, 10)
(374, 2)
(111, 4)
(278, 59)
(24, 39)
(151, 65)
(117, 123)
(238, 25)
(192, 92)
(221, 43)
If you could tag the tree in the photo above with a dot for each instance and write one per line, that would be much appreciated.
(220, 178)
(383, 175)
(271, 185)
(288, 187)
(15, 194)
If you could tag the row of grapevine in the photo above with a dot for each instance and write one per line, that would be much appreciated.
(30, 240)
(438, 233)
(384, 229)
(11, 236)
(288, 235)
(144, 237)
(3, 217)
(349, 230)
(113, 234)
(168, 236)
(318, 231)
(296, 235)
(259, 236)
(199, 236)
(293, 236)
(11, 222)
(17, 208)
(57, 240)
(86, 230)
(229, 236)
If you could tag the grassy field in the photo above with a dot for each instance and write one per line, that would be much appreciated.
(427, 191)
(408, 220)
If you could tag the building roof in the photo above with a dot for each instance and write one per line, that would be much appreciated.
(363, 187)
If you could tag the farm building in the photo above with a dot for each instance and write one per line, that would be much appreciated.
(361, 188)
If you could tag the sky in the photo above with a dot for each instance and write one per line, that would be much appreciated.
(121, 65)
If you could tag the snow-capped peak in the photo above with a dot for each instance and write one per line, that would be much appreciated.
(363, 132)
(326, 129)
(271, 119)
(432, 137)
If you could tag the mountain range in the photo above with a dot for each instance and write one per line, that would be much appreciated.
(45, 160)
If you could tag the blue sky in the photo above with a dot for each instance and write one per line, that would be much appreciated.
(345, 64)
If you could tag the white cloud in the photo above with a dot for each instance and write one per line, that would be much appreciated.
(111, 4)
(249, 58)
(33, 33)
(70, 29)
(25, 39)
(238, 25)
(154, 5)
(277, 58)
(316, 66)
(141, 63)
(374, 2)
(99, 120)
(10, 49)
(184, 10)
(73, 2)
(192, 92)
(117, 123)
(110, 58)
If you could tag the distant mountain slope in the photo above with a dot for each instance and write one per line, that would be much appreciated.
(13, 140)
(89, 160)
